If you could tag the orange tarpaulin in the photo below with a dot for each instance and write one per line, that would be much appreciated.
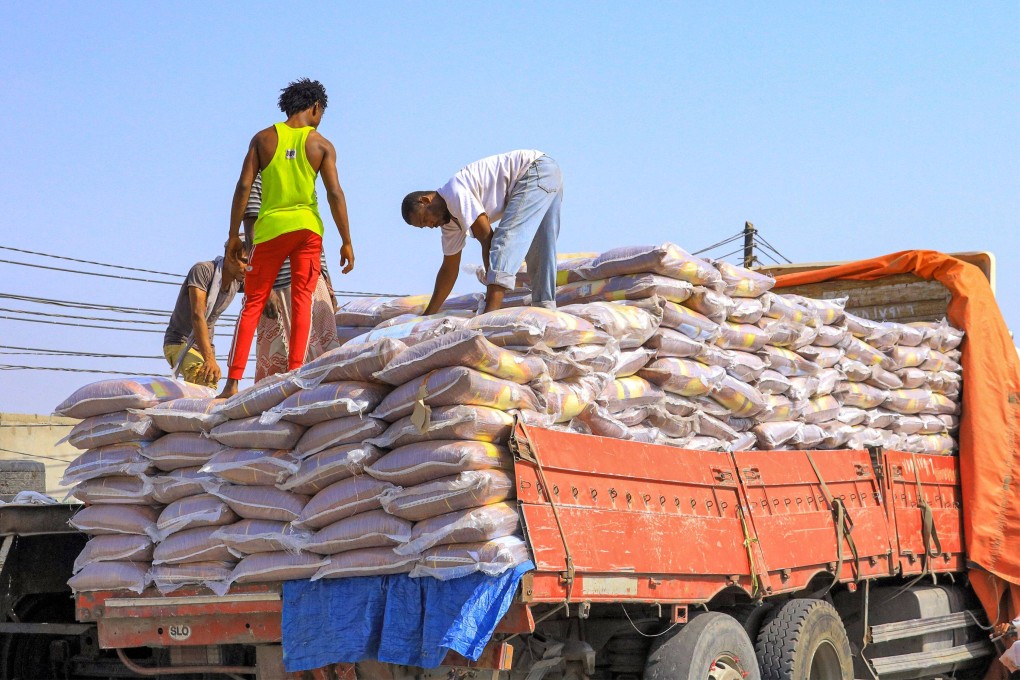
(990, 422)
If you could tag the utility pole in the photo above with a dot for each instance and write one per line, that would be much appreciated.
(748, 244)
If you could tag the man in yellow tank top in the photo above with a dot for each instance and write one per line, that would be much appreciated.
(289, 155)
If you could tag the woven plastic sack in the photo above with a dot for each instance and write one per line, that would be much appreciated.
(122, 490)
(632, 287)
(685, 377)
(632, 361)
(372, 529)
(120, 394)
(191, 545)
(741, 282)
(339, 432)
(710, 303)
(453, 315)
(775, 435)
(937, 361)
(788, 362)
(741, 336)
(854, 371)
(352, 361)
(781, 333)
(203, 510)
(829, 312)
(912, 377)
(700, 443)
(746, 310)
(680, 318)
(809, 436)
(668, 259)
(579, 360)
(342, 499)
(566, 399)
(858, 350)
(908, 401)
(830, 336)
(630, 392)
(820, 409)
(884, 379)
(171, 577)
(493, 557)
(461, 348)
(251, 536)
(671, 425)
(825, 357)
(180, 450)
(425, 461)
(631, 326)
(861, 395)
(100, 520)
(253, 467)
(472, 525)
(597, 421)
(746, 367)
(372, 311)
(670, 343)
(413, 332)
(739, 398)
(851, 415)
(477, 423)
(452, 386)
(119, 459)
(777, 408)
(132, 576)
(321, 469)
(114, 548)
(366, 562)
(112, 428)
(260, 502)
(261, 396)
(344, 334)
(251, 433)
(180, 483)
(277, 566)
(328, 401)
(470, 489)
(934, 444)
(524, 326)
(773, 382)
(186, 415)
(788, 308)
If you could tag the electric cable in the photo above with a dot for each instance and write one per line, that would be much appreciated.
(99, 264)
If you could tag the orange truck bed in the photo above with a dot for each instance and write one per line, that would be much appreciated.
(617, 521)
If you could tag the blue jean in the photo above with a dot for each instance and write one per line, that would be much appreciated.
(527, 233)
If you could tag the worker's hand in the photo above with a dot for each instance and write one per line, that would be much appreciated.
(208, 373)
(347, 257)
(235, 251)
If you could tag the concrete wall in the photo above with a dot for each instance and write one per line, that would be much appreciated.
(38, 435)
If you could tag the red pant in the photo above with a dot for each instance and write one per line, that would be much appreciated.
(304, 248)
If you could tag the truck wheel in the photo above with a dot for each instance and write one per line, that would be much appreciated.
(805, 640)
(713, 646)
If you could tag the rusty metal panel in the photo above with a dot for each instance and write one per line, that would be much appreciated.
(794, 523)
(939, 478)
(640, 521)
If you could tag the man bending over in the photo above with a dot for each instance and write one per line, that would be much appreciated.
(522, 191)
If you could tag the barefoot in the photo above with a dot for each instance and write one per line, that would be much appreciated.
(229, 389)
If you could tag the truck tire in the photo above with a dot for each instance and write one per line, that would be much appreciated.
(713, 646)
(805, 640)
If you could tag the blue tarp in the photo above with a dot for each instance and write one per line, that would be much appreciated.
(396, 619)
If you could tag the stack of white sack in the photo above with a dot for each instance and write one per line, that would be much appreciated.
(433, 504)
(372, 318)
(116, 477)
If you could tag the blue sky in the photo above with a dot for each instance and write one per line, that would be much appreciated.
(842, 131)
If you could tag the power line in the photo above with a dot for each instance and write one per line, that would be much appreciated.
(99, 264)
(735, 237)
(78, 271)
(34, 455)
(89, 325)
(41, 352)
(83, 318)
(95, 306)
(19, 367)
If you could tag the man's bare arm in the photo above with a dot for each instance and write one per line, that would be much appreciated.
(337, 203)
(445, 280)
(482, 231)
(203, 342)
(242, 190)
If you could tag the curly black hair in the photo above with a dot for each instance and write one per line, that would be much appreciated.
(302, 94)
(410, 204)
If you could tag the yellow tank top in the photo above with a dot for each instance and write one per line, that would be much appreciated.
(288, 188)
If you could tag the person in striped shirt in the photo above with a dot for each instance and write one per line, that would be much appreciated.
(273, 331)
